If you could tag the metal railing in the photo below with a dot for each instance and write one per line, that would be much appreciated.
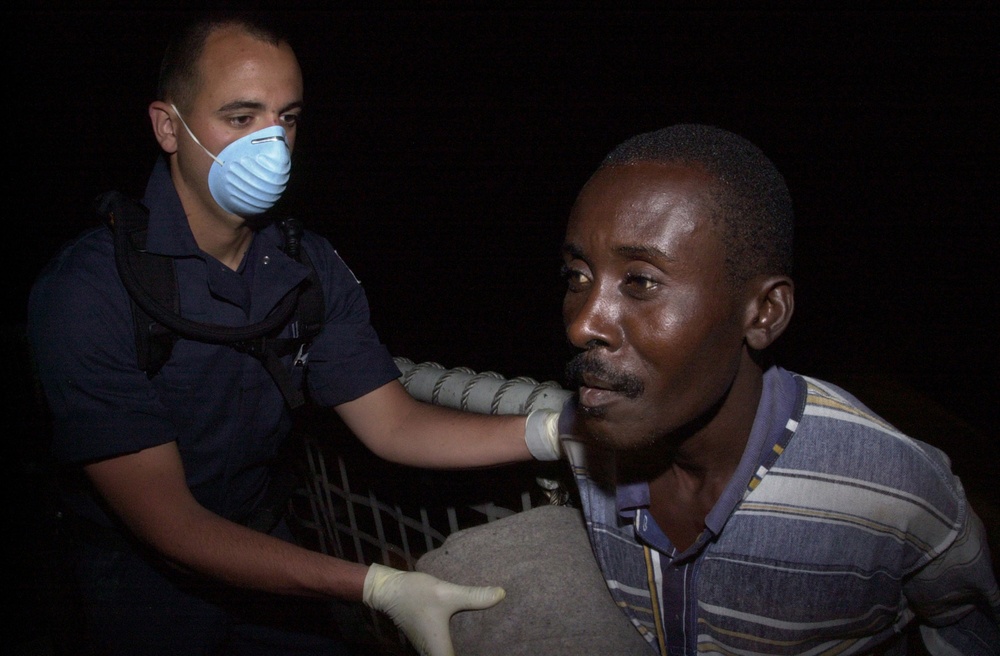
(355, 506)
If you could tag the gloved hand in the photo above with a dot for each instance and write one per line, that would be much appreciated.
(422, 605)
(543, 427)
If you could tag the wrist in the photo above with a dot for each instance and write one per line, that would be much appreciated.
(374, 579)
(541, 434)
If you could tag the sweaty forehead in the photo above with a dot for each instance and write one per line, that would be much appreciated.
(640, 204)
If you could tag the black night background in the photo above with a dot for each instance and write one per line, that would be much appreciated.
(443, 145)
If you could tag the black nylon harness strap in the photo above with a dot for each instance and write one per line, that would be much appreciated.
(152, 285)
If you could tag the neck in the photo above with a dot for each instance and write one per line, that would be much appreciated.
(698, 464)
(707, 450)
(224, 236)
(228, 246)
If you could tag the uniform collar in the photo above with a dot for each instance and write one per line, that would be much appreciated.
(168, 232)
(272, 273)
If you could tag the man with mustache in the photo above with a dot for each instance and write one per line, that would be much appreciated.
(735, 507)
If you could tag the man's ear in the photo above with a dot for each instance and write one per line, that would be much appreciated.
(769, 310)
(165, 125)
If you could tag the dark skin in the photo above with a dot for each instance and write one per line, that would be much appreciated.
(648, 302)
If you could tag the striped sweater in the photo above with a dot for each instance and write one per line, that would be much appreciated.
(836, 534)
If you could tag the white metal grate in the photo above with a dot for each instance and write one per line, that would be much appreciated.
(358, 507)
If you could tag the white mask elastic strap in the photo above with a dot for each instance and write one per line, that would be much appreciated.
(184, 123)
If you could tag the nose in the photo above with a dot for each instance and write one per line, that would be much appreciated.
(591, 319)
(261, 140)
(288, 136)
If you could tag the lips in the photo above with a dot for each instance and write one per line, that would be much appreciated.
(598, 383)
(593, 397)
(595, 392)
(593, 381)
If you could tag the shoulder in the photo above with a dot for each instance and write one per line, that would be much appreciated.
(849, 462)
(89, 247)
(81, 273)
(325, 257)
(834, 417)
(78, 309)
(343, 292)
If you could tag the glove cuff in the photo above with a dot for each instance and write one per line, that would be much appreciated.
(541, 434)
(374, 579)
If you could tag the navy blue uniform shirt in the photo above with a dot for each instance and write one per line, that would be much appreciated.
(221, 407)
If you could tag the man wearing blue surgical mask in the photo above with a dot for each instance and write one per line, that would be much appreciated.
(250, 174)
(237, 98)
(169, 469)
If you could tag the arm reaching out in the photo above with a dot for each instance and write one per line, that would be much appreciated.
(401, 429)
(398, 428)
(147, 490)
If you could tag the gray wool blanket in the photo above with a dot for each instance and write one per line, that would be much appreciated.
(557, 602)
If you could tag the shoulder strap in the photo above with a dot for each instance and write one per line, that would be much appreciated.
(128, 221)
(307, 323)
(310, 310)
(127, 218)
(154, 342)
(152, 285)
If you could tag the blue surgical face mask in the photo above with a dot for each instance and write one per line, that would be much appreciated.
(250, 174)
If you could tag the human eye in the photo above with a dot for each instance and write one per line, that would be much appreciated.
(640, 285)
(575, 278)
(290, 120)
(240, 120)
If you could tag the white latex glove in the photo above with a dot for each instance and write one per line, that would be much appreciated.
(541, 434)
(541, 431)
(422, 605)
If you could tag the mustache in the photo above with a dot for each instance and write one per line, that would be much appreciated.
(625, 384)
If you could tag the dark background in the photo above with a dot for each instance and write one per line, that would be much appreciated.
(442, 149)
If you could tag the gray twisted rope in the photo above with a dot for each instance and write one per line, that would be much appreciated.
(408, 376)
(540, 389)
(467, 390)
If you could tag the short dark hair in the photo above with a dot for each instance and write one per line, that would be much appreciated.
(179, 80)
(753, 207)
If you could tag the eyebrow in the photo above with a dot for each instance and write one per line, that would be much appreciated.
(255, 105)
(643, 253)
(646, 253)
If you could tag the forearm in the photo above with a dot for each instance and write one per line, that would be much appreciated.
(400, 429)
(436, 437)
(242, 557)
(147, 490)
